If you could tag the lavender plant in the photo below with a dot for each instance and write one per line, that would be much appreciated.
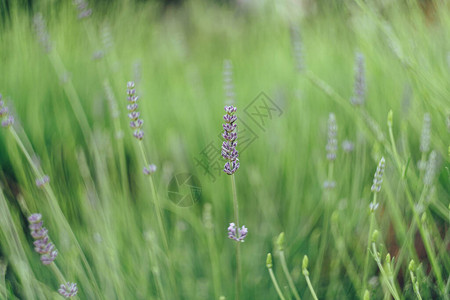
(231, 155)
(148, 169)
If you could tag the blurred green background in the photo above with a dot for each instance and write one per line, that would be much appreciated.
(65, 100)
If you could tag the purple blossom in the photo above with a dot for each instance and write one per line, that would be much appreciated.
(229, 151)
(348, 146)
(134, 115)
(149, 170)
(34, 218)
(8, 121)
(49, 257)
(238, 235)
(139, 134)
(68, 290)
(41, 181)
(132, 107)
(41, 31)
(83, 10)
(137, 123)
(3, 110)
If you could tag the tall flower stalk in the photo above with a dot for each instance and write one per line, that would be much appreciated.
(376, 188)
(231, 155)
(329, 185)
(149, 169)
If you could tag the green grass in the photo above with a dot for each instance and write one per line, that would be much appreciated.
(97, 189)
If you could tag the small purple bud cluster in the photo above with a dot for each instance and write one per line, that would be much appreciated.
(359, 93)
(83, 9)
(41, 244)
(329, 185)
(41, 181)
(8, 120)
(41, 31)
(68, 290)
(229, 151)
(373, 206)
(135, 122)
(332, 138)
(237, 235)
(378, 177)
(149, 170)
(348, 146)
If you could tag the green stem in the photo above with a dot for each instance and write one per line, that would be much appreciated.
(326, 223)
(158, 212)
(311, 287)
(415, 285)
(390, 286)
(275, 283)
(345, 258)
(369, 238)
(288, 275)
(238, 250)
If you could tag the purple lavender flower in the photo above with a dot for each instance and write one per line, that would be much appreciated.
(83, 10)
(238, 235)
(68, 290)
(41, 181)
(378, 177)
(8, 121)
(41, 31)
(359, 93)
(135, 122)
(149, 170)
(3, 110)
(332, 140)
(42, 245)
(329, 185)
(229, 151)
(139, 134)
(49, 257)
(348, 146)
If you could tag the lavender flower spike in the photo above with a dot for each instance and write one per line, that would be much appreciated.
(378, 177)
(229, 151)
(135, 122)
(41, 244)
(238, 235)
(359, 93)
(332, 140)
(68, 290)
